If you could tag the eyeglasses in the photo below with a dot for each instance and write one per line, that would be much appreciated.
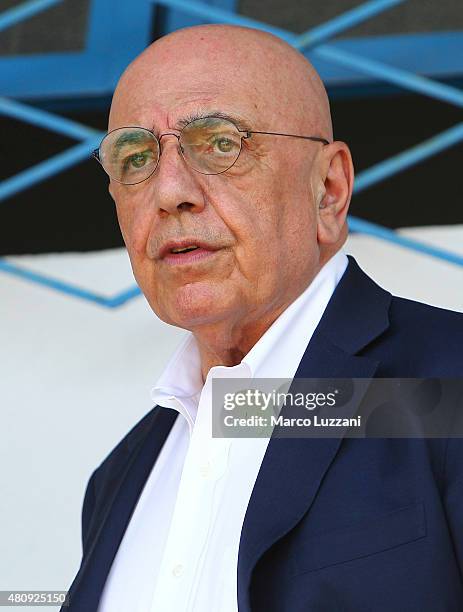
(209, 145)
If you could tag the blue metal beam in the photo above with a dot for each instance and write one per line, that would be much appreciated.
(24, 11)
(173, 19)
(119, 30)
(46, 120)
(67, 288)
(124, 296)
(342, 22)
(405, 79)
(431, 54)
(213, 14)
(47, 168)
(384, 169)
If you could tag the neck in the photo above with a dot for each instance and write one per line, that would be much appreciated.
(227, 341)
(220, 344)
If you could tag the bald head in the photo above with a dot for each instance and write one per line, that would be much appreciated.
(280, 84)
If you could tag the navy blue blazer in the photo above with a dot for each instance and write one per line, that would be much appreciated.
(351, 525)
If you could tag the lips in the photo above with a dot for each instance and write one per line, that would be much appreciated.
(188, 258)
(173, 246)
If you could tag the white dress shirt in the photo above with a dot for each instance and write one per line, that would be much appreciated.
(179, 552)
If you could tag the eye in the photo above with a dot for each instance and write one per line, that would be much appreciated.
(138, 160)
(223, 144)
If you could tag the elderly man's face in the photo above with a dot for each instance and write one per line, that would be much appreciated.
(259, 216)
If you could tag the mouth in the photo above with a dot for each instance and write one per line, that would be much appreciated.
(184, 251)
(188, 254)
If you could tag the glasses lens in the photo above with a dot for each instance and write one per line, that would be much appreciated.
(129, 155)
(210, 145)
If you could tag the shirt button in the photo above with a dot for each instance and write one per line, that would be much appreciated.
(177, 570)
(205, 469)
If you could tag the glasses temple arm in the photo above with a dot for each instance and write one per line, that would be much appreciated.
(315, 138)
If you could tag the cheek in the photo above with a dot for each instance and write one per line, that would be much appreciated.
(260, 246)
(290, 240)
(135, 223)
(251, 234)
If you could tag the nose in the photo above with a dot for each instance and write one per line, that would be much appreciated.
(177, 136)
(175, 187)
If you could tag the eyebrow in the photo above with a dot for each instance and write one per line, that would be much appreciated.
(240, 123)
(127, 138)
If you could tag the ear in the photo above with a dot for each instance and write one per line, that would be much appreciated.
(336, 183)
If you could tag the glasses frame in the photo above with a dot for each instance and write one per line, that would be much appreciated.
(245, 134)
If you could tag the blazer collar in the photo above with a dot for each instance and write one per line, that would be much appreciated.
(357, 313)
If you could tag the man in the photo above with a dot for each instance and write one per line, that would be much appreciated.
(220, 144)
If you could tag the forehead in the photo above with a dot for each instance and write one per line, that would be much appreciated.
(164, 93)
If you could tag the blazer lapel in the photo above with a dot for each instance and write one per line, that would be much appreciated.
(123, 495)
(293, 468)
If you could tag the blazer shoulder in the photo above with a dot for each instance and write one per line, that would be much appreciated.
(416, 314)
(426, 338)
(359, 292)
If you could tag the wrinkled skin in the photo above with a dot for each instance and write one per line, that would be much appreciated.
(278, 214)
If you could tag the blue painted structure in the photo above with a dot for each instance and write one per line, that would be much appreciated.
(95, 70)
(25, 10)
(112, 43)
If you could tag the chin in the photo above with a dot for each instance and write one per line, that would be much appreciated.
(198, 304)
